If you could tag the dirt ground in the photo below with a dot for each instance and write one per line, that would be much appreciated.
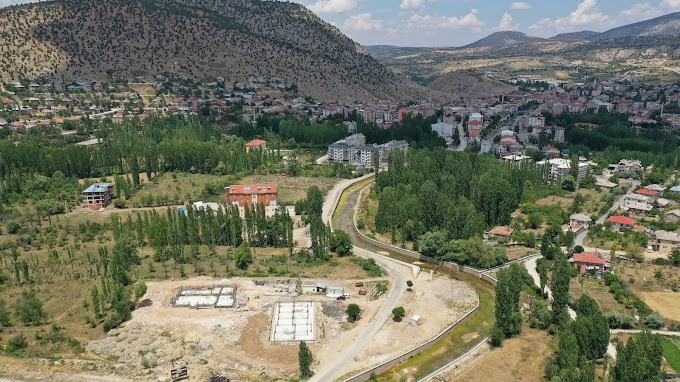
(520, 359)
(235, 342)
(665, 303)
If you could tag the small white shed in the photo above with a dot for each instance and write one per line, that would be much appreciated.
(415, 320)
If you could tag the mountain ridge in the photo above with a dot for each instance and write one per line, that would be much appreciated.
(200, 39)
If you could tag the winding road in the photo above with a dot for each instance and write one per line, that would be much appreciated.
(397, 272)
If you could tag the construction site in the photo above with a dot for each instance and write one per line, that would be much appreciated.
(211, 297)
(246, 328)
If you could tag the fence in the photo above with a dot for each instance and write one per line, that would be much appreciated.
(363, 376)
(401, 358)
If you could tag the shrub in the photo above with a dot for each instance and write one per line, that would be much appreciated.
(15, 344)
(496, 336)
(13, 226)
(353, 312)
(119, 203)
(398, 313)
(654, 321)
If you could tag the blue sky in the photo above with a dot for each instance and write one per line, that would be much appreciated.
(459, 22)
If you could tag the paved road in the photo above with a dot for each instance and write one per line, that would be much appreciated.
(579, 239)
(531, 267)
(322, 160)
(463, 139)
(398, 273)
(633, 331)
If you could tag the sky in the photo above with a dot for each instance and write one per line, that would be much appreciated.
(460, 22)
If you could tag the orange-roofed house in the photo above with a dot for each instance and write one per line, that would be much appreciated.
(242, 195)
(500, 232)
(588, 261)
(256, 144)
(621, 221)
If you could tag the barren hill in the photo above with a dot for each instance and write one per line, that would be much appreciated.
(575, 36)
(503, 39)
(469, 84)
(659, 26)
(201, 39)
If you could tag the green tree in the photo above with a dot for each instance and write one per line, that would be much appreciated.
(674, 257)
(340, 243)
(305, 360)
(398, 313)
(4, 314)
(568, 353)
(96, 303)
(353, 312)
(542, 270)
(559, 285)
(29, 308)
(639, 360)
(314, 201)
(508, 288)
(243, 257)
(497, 336)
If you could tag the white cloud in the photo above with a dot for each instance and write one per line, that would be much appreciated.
(640, 11)
(333, 6)
(506, 23)
(671, 4)
(586, 16)
(412, 4)
(442, 22)
(520, 5)
(362, 22)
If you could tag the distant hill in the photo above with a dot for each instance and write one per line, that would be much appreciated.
(202, 39)
(469, 84)
(660, 26)
(500, 39)
(575, 36)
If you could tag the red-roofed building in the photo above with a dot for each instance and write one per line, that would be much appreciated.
(621, 221)
(647, 192)
(256, 144)
(588, 261)
(640, 228)
(500, 232)
(253, 194)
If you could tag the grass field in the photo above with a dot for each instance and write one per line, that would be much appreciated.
(665, 303)
(520, 359)
(453, 345)
(671, 352)
(185, 187)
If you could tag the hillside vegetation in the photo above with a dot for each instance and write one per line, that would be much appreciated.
(200, 39)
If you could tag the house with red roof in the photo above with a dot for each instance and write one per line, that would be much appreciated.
(256, 144)
(647, 192)
(589, 261)
(618, 221)
(500, 232)
(250, 195)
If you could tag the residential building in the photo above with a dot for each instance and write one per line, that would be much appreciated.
(629, 165)
(579, 221)
(500, 232)
(604, 184)
(589, 261)
(97, 196)
(673, 215)
(249, 195)
(618, 222)
(559, 168)
(647, 192)
(384, 150)
(665, 241)
(533, 120)
(637, 203)
(256, 144)
(352, 149)
(444, 130)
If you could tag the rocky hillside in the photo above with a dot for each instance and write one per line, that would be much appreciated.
(469, 84)
(503, 39)
(201, 39)
(575, 36)
(660, 26)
